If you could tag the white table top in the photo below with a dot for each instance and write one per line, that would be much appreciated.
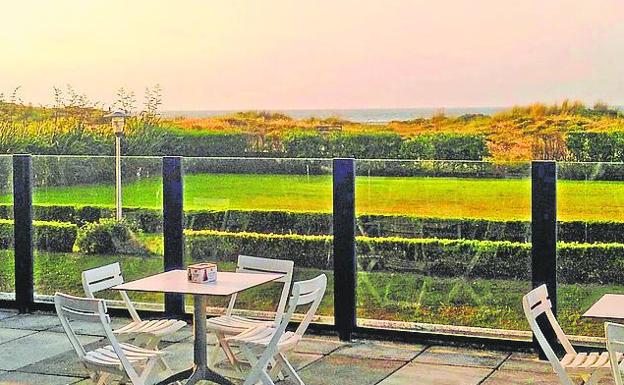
(175, 281)
(609, 307)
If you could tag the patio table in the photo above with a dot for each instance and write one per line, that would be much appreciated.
(175, 281)
(608, 308)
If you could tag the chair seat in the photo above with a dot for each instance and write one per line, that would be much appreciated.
(587, 361)
(233, 324)
(154, 327)
(106, 356)
(261, 336)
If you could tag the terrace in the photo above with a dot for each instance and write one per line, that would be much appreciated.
(440, 258)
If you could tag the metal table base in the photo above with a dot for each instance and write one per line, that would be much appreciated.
(200, 370)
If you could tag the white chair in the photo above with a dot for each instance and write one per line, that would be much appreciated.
(264, 345)
(117, 359)
(230, 324)
(615, 347)
(148, 333)
(590, 367)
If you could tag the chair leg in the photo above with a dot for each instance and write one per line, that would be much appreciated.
(222, 342)
(290, 370)
(594, 378)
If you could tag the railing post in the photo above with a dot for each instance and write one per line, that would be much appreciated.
(344, 247)
(173, 226)
(544, 236)
(23, 232)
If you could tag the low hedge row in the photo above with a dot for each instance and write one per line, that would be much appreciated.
(577, 263)
(48, 236)
(315, 223)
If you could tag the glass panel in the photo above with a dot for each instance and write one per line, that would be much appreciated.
(590, 205)
(74, 211)
(7, 261)
(273, 208)
(443, 245)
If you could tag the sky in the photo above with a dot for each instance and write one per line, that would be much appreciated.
(311, 54)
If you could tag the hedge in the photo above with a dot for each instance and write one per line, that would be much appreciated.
(316, 223)
(577, 263)
(49, 236)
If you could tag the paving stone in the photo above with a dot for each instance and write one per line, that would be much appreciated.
(447, 355)
(427, 374)
(36, 321)
(7, 335)
(17, 378)
(526, 362)
(318, 345)
(508, 377)
(64, 364)
(34, 348)
(382, 351)
(7, 313)
(344, 370)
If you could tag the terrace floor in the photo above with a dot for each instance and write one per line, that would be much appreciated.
(34, 350)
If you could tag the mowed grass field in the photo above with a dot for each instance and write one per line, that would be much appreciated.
(501, 199)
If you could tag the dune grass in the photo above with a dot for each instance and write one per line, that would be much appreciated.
(501, 199)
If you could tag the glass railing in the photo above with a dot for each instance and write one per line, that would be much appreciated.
(272, 208)
(443, 246)
(590, 211)
(74, 211)
(7, 260)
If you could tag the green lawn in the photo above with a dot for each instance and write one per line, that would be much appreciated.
(502, 199)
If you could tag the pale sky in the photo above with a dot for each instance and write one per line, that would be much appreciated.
(294, 54)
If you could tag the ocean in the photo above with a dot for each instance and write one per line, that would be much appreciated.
(365, 115)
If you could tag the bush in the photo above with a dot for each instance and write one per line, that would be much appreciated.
(445, 147)
(108, 236)
(381, 145)
(48, 236)
(304, 144)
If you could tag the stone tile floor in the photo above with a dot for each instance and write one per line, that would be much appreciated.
(34, 350)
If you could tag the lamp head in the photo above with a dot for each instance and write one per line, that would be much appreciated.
(118, 121)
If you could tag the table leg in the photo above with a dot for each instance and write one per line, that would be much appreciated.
(200, 369)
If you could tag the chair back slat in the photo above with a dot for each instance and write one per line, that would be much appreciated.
(249, 264)
(615, 346)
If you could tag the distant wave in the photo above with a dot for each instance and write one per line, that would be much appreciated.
(366, 115)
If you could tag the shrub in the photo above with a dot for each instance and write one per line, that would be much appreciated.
(108, 236)
(381, 145)
(304, 144)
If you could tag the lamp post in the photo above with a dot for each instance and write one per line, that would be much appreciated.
(118, 121)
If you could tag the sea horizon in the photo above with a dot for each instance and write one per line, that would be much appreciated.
(359, 115)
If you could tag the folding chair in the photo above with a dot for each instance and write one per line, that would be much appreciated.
(117, 359)
(615, 347)
(269, 345)
(590, 367)
(148, 333)
(229, 324)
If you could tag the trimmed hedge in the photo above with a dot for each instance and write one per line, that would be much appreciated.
(49, 236)
(315, 223)
(578, 263)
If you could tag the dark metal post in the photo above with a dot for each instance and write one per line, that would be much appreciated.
(23, 232)
(344, 247)
(544, 236)
(173, 215)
